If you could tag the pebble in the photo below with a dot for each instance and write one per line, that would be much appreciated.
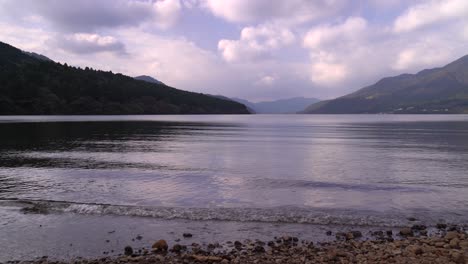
(187, 235)
(160, 245)
(128, 251)
(406, 232)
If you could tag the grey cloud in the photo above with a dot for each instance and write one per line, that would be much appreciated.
(90, 43)
(83, 15)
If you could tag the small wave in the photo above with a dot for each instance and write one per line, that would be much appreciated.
(267, 215)
(282, 183)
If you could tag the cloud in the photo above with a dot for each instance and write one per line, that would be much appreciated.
(353, 28)
(290, 11)
(421, 54)
(430, 12)
(90, 15)
(266, 81)
(167, 13)
(256, 43)
(82, 43)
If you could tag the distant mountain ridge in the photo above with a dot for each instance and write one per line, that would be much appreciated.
(434, 91)
(32, 84)
(282, 106)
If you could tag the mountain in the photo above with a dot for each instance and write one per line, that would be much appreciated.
(149, 79)
(32, 85)
(37, 56)
(439, 90)
(282, 106)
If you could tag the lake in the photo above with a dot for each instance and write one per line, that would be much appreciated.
(67, 183)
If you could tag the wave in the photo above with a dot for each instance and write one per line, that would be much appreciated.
(267, 215)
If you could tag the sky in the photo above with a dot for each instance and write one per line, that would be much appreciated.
(251, 49)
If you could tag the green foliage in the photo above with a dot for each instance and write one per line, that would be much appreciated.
(29, 85)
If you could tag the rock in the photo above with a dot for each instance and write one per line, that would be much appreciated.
(160, 245)
(441, 226)
(187, 235)
(451, 235)
(237, 244)
(356, 234)
(340, 235)
(389, 233)
(423, 232)
(128, 250)
(349, 236)
(454, 243)
(464, 244)
(271, 244)
(412, 219)
(176, 248)
(418, 227)
(329, 233)
(458, 258)
(417, 250)
(258, 249)
(201, 258)
(139, 237)
(406, 232)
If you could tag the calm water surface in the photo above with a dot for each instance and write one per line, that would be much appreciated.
(366, 170)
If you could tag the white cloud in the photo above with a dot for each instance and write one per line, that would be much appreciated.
(290, 11)
(82, 43)
(266, 81)
(167, 12)
(29, 39)
(326, 70)
(352, 29)
(430, 12)
(428, 53)
(256, 43)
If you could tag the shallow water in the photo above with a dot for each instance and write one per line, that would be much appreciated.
(359, 170)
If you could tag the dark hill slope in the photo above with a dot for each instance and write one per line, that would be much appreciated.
(31, 85)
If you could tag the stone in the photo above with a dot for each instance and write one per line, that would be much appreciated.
(454, 243)
(464, 244)
(258, 249)
(451, 235)
(458, 258)
(128, 250)
(329, 233)
(187, 235)
(160, 245)
(340, 235)
(419, 227)
(406, 232)
(349, 236)
(441, 226)
(176, 248)
(201, 258)
(356, 233)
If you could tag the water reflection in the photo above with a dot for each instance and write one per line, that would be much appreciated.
(377, 163)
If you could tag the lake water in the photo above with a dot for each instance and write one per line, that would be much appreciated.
(67, 182)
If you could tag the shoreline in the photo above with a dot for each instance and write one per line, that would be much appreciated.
(409, 245)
